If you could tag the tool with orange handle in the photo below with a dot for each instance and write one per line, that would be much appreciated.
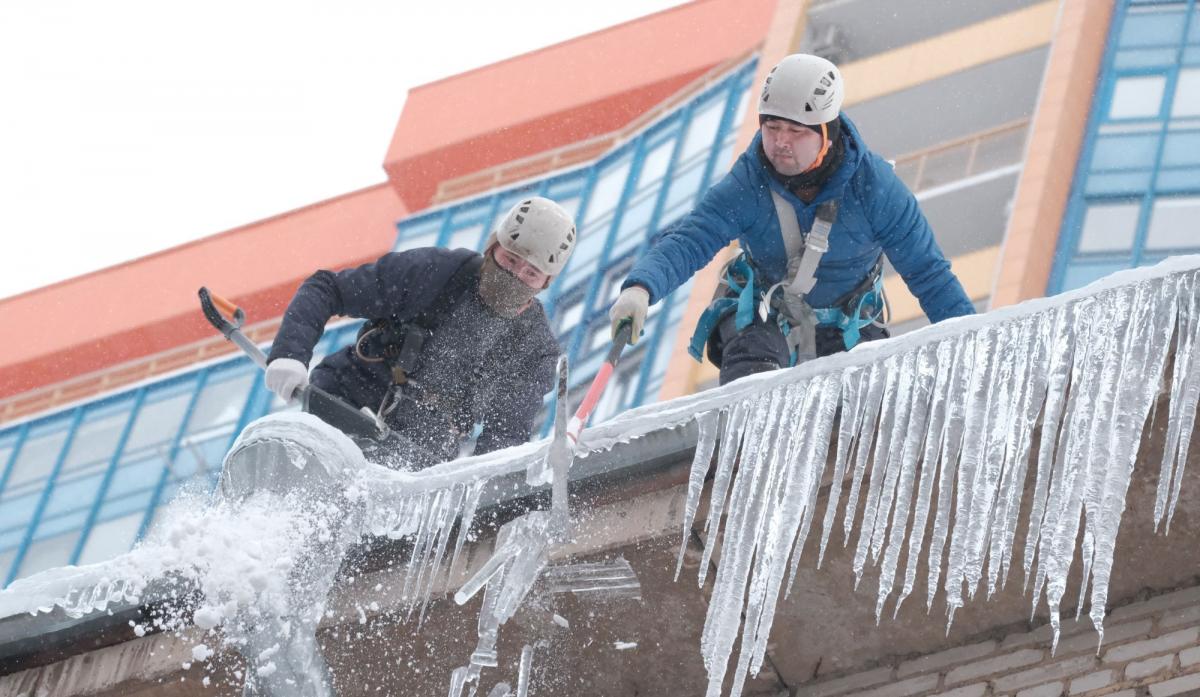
(592, 397)
(313, 399)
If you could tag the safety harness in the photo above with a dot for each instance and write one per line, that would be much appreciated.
(399, 343)
(784, 302)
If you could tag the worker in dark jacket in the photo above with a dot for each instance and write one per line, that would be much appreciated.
(452, 339)
(814, 211)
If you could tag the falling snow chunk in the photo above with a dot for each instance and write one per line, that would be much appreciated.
(201, 653)
(624, 645)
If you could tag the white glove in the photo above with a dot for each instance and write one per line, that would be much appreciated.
(285, 376)
(631, 305)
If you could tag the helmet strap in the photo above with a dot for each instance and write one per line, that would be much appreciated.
(825, 143)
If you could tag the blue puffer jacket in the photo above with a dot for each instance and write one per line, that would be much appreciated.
(876, 213)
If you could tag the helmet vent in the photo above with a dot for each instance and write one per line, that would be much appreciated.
(520, 218)
(514, 236)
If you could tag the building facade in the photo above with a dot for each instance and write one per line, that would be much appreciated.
(977, 104)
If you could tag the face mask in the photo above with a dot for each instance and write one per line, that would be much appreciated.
(502, 292)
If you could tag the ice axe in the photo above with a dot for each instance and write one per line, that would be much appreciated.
(566, 431)
(313, 399)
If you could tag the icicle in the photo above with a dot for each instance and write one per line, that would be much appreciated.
(925, 374)
(424, 539)
(782, 506)
(970, 482)
(706, 441)
(742, 528)
(1015, 380)
(1088, 553)
(466, 520)
(950, 448)
(848, 421)
(1000, 390)
(1185, 391)
(450, 509)
(727, 455)
(1036, 368)
(1065, 502)
(809, 454)
(523, 672)
(458, 680)
(1144, 353)
(874, 384)
(1061, 353)
(817, 459)
(894, 377)
(929, 463)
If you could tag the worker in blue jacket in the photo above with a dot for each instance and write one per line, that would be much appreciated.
(814, 210)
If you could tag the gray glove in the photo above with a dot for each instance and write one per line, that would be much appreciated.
(631, 305)
(285, 376)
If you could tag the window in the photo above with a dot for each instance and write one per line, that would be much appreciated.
(222, 400)
(702, 131)
(39, 452)
(1137, 97)
(568, 314)
(6, 451)
(110, 538)
(1109, 227)
(1174, 224)
(419, 233)
(655, 165)
(1153, 26)
(1187, 94)
(607, 191)
(466, 238)
(160, 416)
(96, 437)
(48, 553)
(1125, 151)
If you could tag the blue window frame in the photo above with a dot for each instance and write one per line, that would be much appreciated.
(82, 484)
(1137, 186)
(620, 202)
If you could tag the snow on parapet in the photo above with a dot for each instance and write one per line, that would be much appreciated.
(954, 405)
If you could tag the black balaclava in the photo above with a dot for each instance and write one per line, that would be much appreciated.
(502, 292)
(807, 184)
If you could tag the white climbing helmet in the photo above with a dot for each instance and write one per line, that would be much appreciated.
(803, 88)
(539, 231)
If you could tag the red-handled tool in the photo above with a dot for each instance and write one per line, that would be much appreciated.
(599, 382)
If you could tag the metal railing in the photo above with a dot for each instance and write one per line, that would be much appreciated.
(975, 154)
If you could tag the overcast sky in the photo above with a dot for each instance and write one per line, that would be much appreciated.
(131, 126)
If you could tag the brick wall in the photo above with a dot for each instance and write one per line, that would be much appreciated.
(1150, 648)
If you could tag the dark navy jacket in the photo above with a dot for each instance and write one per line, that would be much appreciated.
(877, 213)
(477, 367)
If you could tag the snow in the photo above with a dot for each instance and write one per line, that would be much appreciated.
(936, 424)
